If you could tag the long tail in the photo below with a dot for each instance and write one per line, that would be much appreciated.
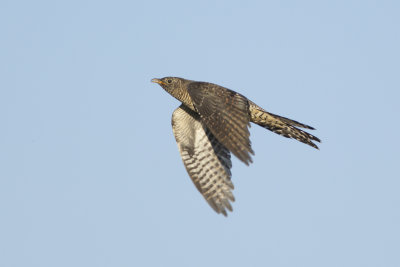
(282, 126)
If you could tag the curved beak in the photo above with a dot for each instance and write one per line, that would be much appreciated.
(155, 80)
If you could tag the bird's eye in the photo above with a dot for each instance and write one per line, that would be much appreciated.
(169, 81)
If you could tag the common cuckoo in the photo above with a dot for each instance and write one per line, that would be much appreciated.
(214, 121)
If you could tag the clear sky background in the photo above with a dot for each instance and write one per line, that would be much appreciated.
(90, 174)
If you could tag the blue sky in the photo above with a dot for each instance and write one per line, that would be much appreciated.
(90, 172)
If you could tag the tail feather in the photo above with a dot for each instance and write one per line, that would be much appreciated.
(292, 122)
(282, 126)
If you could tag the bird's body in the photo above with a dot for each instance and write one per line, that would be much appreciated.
(214, 121)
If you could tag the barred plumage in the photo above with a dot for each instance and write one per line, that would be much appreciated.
(206, 160)
(214, 121)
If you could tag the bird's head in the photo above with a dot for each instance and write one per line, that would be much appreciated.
(169, 83)
(177, 87)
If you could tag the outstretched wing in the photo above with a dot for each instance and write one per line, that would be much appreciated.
(226, 114)
(206, 160)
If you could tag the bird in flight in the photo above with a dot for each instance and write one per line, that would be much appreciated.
(212, 122)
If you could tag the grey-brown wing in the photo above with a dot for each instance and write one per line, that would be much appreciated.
(206, 160)
(226, 115)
